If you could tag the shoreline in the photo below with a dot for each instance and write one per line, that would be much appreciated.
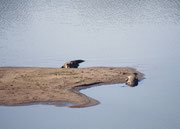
(30, 85)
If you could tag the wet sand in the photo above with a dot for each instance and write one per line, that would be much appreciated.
(24, 86)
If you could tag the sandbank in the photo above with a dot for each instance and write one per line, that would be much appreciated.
(26, 85)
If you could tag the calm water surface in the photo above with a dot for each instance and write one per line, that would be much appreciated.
(134, 33)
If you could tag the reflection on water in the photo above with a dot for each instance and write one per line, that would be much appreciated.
(137, 33)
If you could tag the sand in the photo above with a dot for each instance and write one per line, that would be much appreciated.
(24, 86)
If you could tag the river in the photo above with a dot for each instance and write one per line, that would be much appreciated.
(144, 34)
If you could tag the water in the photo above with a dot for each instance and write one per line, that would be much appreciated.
(135, 33)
